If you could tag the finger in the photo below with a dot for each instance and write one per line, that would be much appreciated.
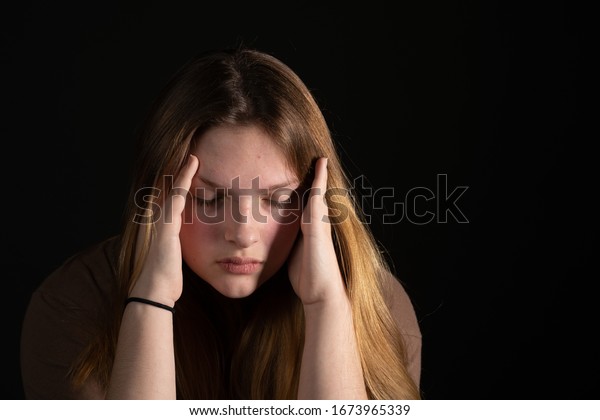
(319, 185)
(317, 210)
(176, 201)
(184, 180)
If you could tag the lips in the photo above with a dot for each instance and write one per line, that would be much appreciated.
(240, 265)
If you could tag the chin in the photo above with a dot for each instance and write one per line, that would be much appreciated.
(235, 289)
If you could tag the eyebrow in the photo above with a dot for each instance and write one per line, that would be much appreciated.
(271, 188)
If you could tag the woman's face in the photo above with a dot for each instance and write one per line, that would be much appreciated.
(242, 217)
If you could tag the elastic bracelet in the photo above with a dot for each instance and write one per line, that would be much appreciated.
(149, 302)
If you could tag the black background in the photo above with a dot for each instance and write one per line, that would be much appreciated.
(493, 96)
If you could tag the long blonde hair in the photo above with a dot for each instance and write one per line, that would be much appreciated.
(227, 348)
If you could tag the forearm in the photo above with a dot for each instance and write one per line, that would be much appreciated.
(331, 367)
(144, 366)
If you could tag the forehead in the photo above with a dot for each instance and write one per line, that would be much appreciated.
(245, 152)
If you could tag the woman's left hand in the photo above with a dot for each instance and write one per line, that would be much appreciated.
(331, 365)
(313, 267)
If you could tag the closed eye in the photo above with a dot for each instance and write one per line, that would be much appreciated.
(276, 203)
(283, 201)
(207, 203)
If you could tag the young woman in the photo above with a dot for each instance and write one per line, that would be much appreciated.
(243, 271)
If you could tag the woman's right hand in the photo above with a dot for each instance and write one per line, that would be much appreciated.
(161, 278)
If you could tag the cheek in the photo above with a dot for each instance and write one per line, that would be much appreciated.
(279, 237)
(278, 240)
(197, 239)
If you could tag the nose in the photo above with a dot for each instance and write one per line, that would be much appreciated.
(240, 226)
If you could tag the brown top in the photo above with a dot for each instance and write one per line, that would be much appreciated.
(72, 298)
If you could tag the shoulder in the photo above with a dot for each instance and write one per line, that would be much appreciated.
(80, 289)
(400, 305)
(404, 315)
(90, 272)
(63, 315)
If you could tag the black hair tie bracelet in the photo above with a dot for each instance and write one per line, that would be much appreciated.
(149, 302)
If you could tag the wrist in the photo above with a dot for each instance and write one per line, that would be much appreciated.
(337, 303)
(153, 294)
(150, 303)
